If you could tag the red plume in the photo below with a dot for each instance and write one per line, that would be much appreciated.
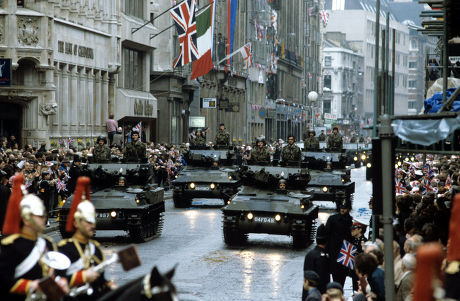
(453, 247)
(428, 268)
(81, 189)
(12, 223)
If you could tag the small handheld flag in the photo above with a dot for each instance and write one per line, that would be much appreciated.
(347, 255)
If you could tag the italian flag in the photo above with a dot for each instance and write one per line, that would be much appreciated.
(205, 34)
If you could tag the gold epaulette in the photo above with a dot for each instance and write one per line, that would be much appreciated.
(64, 241)
(453, 267)
(10, 239)
(96, 243)
(50, 240)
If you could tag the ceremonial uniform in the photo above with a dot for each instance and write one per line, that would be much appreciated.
(101, 153)
(291, 153)
(260, 155)
(135, 151)
(20, 263)
(335, 142)
(222, 138)
(311, 144)
(198, 141)
(83, 256)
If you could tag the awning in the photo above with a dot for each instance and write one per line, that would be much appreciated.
(137, 104)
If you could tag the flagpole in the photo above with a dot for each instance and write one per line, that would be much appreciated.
(155, 35)
(133, 30)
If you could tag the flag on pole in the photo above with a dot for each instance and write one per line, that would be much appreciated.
(247, 55)
(347, 255)
(184, 18)
(205, 41)
(324, 17)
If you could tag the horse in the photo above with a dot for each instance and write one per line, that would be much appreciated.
(153, 286)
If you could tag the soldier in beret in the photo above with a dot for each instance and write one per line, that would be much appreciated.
(311, 143)
(335, 141)
(101, 152)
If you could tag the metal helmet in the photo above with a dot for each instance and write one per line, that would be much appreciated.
(32, 205)
(261, 139)
(86, 211)
(101, 138)
(312, 132)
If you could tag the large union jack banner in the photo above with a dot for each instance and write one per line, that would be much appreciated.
(347, 255)
(184, 18)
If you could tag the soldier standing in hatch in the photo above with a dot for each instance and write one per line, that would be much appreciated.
(101, 151)
(260, 153)
(222, 136)
(335, 141)
(311, 144)
(135, 150)
(322, 137)
(291, 152)
(199, 140)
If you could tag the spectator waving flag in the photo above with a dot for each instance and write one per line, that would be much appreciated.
(184, 18)
(61, 186)
(400, 189)
(347, 255)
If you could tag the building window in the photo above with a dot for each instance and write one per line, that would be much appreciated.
(327, 81)
(327, 106)
(133, 70)
(134, 8)
(412, 84)
(412, 105)
(412, 65)
(327, 61)
(20, 3)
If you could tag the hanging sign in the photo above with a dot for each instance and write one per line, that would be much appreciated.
(209, 103)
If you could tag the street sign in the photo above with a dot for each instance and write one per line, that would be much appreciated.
(5, 72)
(330, 116)
(209, 103)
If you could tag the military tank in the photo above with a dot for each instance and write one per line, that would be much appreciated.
(262, 207)
(209, 174)
(124, 199)
(330, 177)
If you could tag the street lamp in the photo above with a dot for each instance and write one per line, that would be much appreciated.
(312, 97)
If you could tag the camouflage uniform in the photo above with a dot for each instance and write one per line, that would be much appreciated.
(353, 139)
(322, 137)
(198, 141)
(335, 142)
(311, 144)
(222, 138)
(361, 139)
(135, 151)
(101, 153)
(291, 153)
(260, 155)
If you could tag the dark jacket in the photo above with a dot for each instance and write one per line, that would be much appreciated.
(313, 295)
(377, 283)
(339, 228)
(4, 196)
(318, 260)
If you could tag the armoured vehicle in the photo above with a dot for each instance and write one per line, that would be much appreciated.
(209, 174)
(330, 177)
(135, 206)
(262, 207)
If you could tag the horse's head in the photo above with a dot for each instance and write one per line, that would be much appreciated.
(159, 287)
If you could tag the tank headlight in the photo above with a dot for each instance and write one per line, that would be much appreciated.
(175, 177)
(355, 158)
(250, 216)
(277, 217)
(369, 165)
(302, 206)
(324, 189)
(230, 177)
(363, 157)
(228, 202)
(192, 185)
(137, 200)
(343, 180)
(212, 186)
(64, 200)
(113, 214)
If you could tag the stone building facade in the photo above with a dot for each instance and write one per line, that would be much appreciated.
(67, 59)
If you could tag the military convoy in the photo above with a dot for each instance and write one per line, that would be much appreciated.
(209, 174)
(273, 200)
(125, 199)
(330, 177)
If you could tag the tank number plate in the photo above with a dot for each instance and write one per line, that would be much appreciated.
(261, 219)
(102, 214)
(202, 188)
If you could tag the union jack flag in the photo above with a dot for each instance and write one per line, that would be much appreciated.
(61, 186)
(428, 171)
(347, 255)
(247, 55)
(399, 187)
(324, 17)
(184, 18)
(426, 186)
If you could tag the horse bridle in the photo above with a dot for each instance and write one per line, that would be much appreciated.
(149, 291)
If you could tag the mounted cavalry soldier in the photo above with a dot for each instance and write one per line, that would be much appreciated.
(84, 253)
(101, 151)
(22, 251)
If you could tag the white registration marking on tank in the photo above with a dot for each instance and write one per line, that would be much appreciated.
(102, 214)
(202, 188)
(262, 219)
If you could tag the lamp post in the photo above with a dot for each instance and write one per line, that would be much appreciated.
(312, 97)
